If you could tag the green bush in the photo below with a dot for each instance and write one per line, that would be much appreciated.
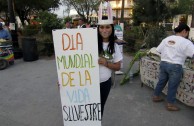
(143, 37)
(49, 21)
(131, 35)
(154, 36)
(45, 44)
(31, 30)
(168, 27)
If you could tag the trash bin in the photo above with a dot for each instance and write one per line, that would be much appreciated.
(29, 48)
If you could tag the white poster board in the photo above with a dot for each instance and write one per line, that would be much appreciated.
(76, 53)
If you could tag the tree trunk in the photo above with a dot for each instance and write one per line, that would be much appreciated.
(192, 22)
(12, 22)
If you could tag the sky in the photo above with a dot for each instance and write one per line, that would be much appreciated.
(61, 11)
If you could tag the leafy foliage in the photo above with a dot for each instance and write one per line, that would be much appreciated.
(154, 36)
(49, 21)
(3, 8)
(30, 30)
(185, 6)
(84, 8)
(45, 44)
(67, 19)
(131, 35)
(3, 5)
(149, 11)
(24, 8)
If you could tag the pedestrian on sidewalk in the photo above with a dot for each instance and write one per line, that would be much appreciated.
(109, 52)
(174, 51)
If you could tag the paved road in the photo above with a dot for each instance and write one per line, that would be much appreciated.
(30, 97)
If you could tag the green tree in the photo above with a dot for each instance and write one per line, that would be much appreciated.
(66, 19)
(24, 8)
(149, 11)
(84, 8)
(49, 21)
(186, 7)
(3, 8)
(3, 5)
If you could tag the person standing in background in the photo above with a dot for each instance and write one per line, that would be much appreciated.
(174, 51)
(67, 25)
(93, 24)
(116, 26)
(81, 23)
(118, 31)
(88, 25)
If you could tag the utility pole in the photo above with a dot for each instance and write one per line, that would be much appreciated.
(122, 11)
(10, 11)
(12, 25)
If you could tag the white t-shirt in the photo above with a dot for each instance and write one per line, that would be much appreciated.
(175, 49)
(105, 73)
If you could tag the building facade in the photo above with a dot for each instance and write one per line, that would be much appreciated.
(128, 9)
(116, 7)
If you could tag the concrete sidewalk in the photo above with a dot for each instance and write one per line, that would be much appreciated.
(29, 96)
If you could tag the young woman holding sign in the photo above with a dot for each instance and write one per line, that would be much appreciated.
(109, 53)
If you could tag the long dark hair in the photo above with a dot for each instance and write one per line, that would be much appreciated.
(110, 48)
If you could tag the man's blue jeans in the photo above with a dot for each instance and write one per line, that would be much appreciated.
(171, 73)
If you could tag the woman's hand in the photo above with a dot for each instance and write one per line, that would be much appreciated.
(113, 66)
(102, 61)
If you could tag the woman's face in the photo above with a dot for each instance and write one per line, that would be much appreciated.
(105, 31)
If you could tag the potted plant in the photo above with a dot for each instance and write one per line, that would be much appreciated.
(29, 44)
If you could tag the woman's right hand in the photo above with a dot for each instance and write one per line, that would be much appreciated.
(102, 61)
